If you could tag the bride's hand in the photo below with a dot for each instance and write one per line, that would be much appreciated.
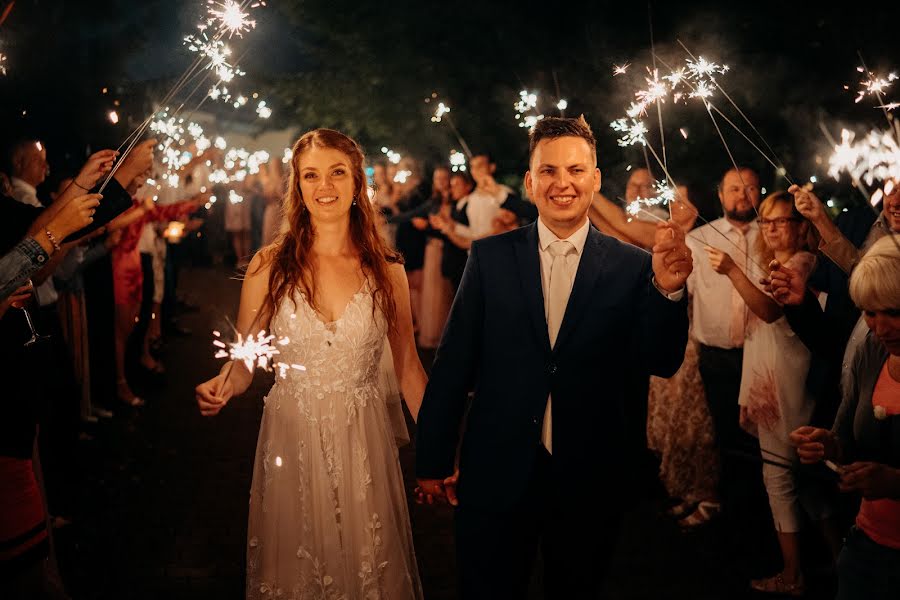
(213, 395)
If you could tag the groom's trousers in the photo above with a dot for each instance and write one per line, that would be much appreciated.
(575, 530)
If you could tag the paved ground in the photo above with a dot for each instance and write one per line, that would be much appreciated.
(160, 500)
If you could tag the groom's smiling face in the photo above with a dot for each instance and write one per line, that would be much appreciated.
(562, 181)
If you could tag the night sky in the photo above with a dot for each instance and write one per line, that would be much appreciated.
(366, 68)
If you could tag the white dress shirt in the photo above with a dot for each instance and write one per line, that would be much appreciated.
(481, 209)
(545, 238)
(24, 192)
(717, 304)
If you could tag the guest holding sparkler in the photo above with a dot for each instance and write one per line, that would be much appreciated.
(126, 259)
(773, 398)
(719, 320)
(327, 503)
(826, 331)
(865, 438)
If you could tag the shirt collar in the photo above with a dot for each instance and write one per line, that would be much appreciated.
(577, 239)
(24, 192)
(727, 226)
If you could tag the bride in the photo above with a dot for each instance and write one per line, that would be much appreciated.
(328, 513)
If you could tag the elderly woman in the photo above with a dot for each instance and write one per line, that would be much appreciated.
(864, 444)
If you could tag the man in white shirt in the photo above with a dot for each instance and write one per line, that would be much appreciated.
(720, 314)
(28, 161)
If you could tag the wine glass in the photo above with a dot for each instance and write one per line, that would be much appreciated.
(35, 336)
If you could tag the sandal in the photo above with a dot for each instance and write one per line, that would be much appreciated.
(777, 585)
(705, 512)
(681, 510)
(126, 396)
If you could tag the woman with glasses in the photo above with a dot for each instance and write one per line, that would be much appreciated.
(773, 397)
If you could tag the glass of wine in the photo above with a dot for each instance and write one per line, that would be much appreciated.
(35, 336)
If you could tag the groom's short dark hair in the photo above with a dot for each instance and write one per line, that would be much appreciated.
(557, 127)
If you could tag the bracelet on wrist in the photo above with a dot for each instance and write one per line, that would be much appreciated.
(75, 181)
(52, 239)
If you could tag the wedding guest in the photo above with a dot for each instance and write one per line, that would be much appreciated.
(773, 398)
(865, 438)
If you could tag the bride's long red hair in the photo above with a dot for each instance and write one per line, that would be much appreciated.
(290, 256)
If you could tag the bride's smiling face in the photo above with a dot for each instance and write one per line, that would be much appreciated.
(326, 182)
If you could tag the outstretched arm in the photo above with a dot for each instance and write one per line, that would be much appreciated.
(234, 377)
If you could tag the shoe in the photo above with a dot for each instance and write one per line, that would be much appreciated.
(681, 510)
(705, 512)
(101, 412)
(126, 396)
(777, 585)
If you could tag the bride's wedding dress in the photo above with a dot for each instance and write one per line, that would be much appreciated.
(328, 513)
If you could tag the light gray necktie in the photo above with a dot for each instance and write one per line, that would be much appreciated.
(560, 288)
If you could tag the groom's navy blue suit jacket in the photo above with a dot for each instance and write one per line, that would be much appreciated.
(496, 343)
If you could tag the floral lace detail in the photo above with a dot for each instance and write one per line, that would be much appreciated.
(328, 514)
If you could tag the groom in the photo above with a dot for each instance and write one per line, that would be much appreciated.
(547, 321)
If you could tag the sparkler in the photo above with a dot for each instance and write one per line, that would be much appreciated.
(231, 17)
(528, 101)
(665, 195)
(256, 352)
(402, 176)
(875, 158)
(442, 115)
(234, 197)
(620, 69)
(457, 161)
(113, 117)
(393, 157)
(174, 232)
(635, 131)
(263, 111)
(874, 85)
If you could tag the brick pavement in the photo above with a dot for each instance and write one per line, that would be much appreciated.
(161, 504)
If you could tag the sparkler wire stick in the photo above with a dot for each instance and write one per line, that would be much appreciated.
(182, 81)
(728, 150)
(740, 112)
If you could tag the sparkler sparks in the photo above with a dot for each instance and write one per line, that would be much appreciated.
(875, 158)
(875, 86)
(562, 105)
(402, 176)
(620, 69)
(393, 157)
(439, 113)
(664, 196)
(234, 197)
(635, 131)
(230, 17)
(528, 101)
(256, 352)
(2, 64)
(263, 111)
(457, 161)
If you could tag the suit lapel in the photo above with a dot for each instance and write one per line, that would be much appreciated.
(590, 267)
(532, 290)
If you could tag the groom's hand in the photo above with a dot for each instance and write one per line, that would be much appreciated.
(442, 490)
(672, 261)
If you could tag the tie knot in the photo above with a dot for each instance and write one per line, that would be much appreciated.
(561, 248)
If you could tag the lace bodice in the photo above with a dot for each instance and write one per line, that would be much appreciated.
(338, 356)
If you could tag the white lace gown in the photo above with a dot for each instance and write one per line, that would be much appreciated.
(328, 513)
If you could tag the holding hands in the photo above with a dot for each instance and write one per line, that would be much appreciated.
(442, 490)
(672, 262)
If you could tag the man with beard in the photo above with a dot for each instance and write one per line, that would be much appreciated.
(720, 317)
